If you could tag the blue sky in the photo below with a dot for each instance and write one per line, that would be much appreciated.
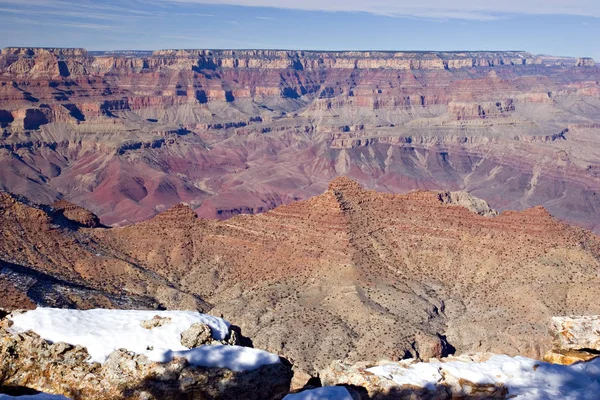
(558, 27)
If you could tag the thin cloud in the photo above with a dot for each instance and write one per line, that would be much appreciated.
(180, 37)
(66, 5)
(67, 24)
(162, 13)
(266, 18)
(456, 9)
(84, 15)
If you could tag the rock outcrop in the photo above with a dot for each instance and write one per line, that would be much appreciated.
(576, 333)
(574, 339)
(474, 376)
(76, 214)
(28, 361)
(368, 385)
(585, 62)
(468, 201)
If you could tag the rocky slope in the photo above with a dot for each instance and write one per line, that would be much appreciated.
(350, 274)
(48, 258)
(128, 135)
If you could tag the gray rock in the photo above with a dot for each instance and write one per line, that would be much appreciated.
(155, 322)
(196, 335)
(468, 201)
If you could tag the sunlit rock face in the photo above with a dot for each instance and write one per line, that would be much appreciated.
(230, 132)
(350, 274)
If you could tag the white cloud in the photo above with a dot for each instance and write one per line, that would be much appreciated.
(66, 24)
(64, 13)
(457, 9)
(66, 5)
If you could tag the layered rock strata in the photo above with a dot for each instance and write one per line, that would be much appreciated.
(350, 274)
(128, 135)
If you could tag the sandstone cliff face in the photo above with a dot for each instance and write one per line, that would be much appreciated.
(307, 60)
(229, 132)
(585, 62)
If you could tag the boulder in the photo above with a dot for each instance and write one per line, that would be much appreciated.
(568, 357)
(429, 346)
(196, 335)
(27, 360)
(156, 322)
(576, 333)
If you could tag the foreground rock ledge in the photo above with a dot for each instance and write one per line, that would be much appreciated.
(576, 333)
(366, 385)
(27, 360)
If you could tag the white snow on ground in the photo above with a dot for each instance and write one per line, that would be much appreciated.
(235, 358)
(104, 331)
(40, 396)
(323, 393)
(525, 378)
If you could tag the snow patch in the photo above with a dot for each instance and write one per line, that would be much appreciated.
(523, 377)
(104, 331)
(323, 393)
(235, 358)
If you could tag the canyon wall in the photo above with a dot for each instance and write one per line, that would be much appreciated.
(129, 134)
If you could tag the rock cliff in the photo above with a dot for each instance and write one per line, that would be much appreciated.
(130, 134)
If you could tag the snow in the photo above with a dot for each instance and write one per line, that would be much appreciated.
(323, 393)
(421, 374)
(39, 396)
(524, 378)
(235, 358)
(104, 331)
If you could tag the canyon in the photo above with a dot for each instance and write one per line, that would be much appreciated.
(335, 207)
(350, 274)
(128, 135)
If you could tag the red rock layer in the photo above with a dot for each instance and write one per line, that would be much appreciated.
(232, 132)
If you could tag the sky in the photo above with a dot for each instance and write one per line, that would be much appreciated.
(557, 27)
